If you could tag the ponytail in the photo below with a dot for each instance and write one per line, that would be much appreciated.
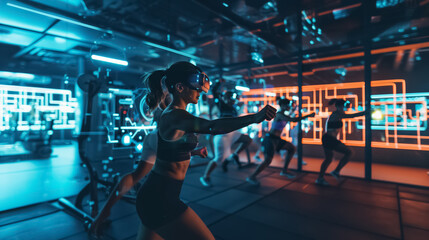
(153, 82)
(332, 101)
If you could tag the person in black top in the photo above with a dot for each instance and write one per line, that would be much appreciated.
(157, 102)
(225, 108)
(274, 143)
(330, 140)
(162, 213)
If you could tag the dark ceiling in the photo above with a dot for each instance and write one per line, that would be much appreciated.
(229, 37)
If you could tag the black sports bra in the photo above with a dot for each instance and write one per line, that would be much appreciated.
(176, 151)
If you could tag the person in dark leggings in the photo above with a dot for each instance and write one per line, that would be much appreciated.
(163, 215)
(222, 143)
(157, 102)
(330, 141)
(273, 143)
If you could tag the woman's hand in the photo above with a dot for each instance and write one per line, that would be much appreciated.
(202, 152)
(266, 113)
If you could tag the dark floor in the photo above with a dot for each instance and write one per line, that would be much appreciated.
(278, 209)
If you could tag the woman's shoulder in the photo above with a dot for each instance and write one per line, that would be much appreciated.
(174, 112)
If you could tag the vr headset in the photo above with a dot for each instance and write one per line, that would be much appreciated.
(198, 82)
(285, 101)
(347, 104)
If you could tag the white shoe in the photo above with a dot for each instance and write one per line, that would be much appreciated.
(252, 181)
(322, 181)
(205, 181)
(287, 174)
(336, 175)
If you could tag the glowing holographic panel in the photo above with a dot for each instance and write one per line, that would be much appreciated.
(399, 120)
(23, 19)
(17, 37)
(396, 112)
(25, 108)
(56, 43)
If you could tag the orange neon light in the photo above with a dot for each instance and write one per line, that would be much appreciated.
(345, 56)
(282, 73)
(315, 98)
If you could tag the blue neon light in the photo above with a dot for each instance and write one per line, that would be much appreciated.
(109, 60)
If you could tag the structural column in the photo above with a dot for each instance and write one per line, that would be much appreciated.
(367, 7)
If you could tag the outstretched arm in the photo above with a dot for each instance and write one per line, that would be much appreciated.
(353, 115)
(189, 123)
(282, 116)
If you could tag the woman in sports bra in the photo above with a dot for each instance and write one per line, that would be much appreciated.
(157, 102)
(162, 213)
(330, 141)
(273, 143)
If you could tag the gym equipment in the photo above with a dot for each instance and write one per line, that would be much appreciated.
(91, 86)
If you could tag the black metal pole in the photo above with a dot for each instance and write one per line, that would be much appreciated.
(299, 39)
(367, 6)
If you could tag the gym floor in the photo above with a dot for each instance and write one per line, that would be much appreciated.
(278, 209)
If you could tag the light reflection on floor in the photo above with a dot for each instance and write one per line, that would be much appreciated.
(33, 181)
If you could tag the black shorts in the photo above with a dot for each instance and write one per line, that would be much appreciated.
(158, 200)
(272, 144)
(329, 141)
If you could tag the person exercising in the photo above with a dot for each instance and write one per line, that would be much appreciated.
(162, 213)
(272, 141)
(330, 140)
(222, 143)
(157, 102)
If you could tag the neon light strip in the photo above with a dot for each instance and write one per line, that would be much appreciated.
(241, 88)
(109, 60)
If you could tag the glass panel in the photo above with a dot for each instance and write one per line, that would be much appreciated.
(333, 69)
(400, 92)
(274, 80)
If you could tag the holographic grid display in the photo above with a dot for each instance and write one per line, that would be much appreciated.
(121, 130)
(26, 108)
(399, 119)
(124, 124)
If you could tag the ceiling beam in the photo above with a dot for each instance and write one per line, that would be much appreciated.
(225, 12)
(92, 24)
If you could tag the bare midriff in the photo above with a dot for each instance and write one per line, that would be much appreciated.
(175, 170)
